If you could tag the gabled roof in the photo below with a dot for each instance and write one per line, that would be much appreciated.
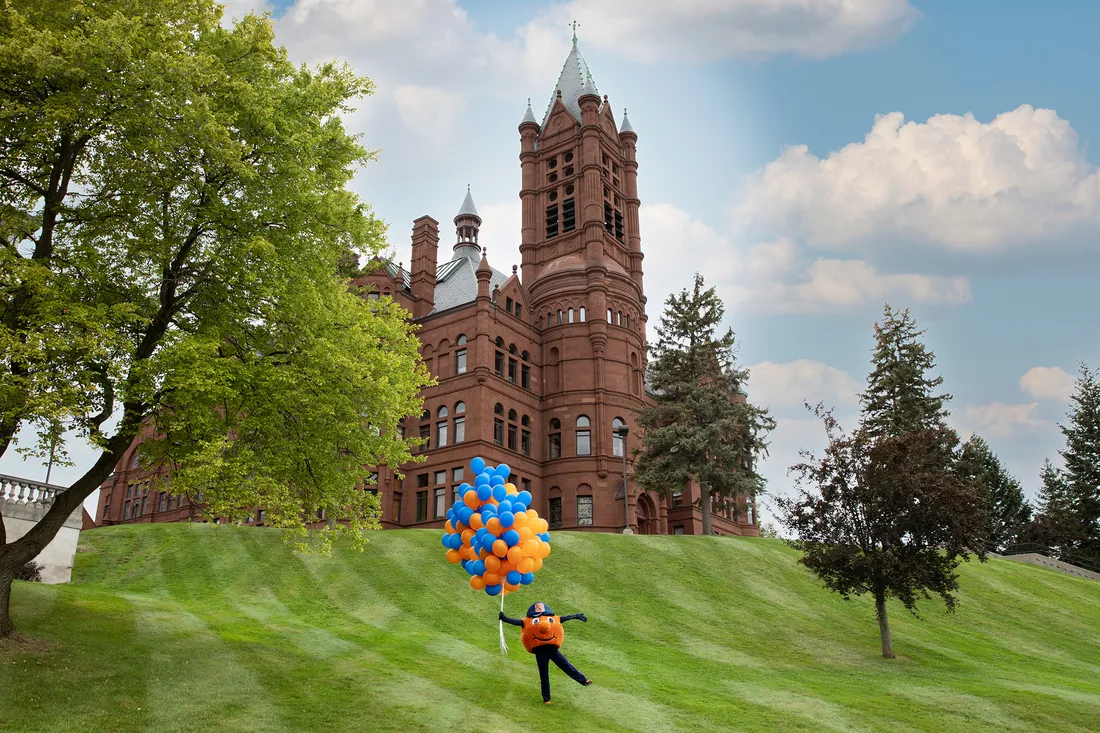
(572, 83)
(456, 283)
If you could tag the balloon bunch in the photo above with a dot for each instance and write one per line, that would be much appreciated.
(500, 542)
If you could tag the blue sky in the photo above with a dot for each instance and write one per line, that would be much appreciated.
(985, 227)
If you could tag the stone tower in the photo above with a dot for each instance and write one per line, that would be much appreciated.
(582, 270)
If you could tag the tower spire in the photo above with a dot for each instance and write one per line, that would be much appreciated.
(574, 24)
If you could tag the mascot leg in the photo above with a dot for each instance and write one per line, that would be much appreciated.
(565, 666)
(542, 655)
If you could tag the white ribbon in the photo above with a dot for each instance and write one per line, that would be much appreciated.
(503, 644)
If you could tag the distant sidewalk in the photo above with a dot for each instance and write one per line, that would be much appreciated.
(1047, 562)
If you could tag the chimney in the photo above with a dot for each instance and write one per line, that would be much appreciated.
(425, 245)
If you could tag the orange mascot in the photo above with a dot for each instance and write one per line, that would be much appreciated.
(542, 635)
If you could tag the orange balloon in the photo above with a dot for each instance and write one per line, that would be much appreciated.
(544, 550)
(475, 522)
(492, 564)
(467, 536)
(483, 554)
(526, 565)
(470, 499)
(510, 588)
(491, 578)
(460, 527)
(505, 568)
(521, 519)
(515, 554)
(477, 582)
(500, 549)
(510, 488)
(525, 534)
(531, 548)
(531, 514)
(538, 564)
(545, 526)
(493, 526)
(453, 556)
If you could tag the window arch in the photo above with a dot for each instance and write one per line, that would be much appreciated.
(525, 421)
(620, 319)
(498, 358)
(618, 441)
(498, 424)
(559, 317)
(500, 342)
(460, 354)
(512, 415)
(584, 436)
(555, 439)
(442, 411)
(513, 431)
(460, 422)
(525, 435)
(583, 316)
(609, 316)
(498, 409)
(584, 505)
(511, 348)
(426, 415)
(570, 315)
(441, 427)
(461, 340)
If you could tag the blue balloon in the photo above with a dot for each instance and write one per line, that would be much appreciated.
(484, 492)
(505, 506)
(527, 578)
(518, 506)
(503, 470)
(493, 590)
(525, 497)
(447, 539)
(470, 569)
(479, 567)
(482, 480)
(487, 512)
(513, 577)
(480, 533)
(511, 537)
(506, 519)
(464, 514)
(487, 542)
(499, 492)
(498, 481)
(477, 465)
(544, 536)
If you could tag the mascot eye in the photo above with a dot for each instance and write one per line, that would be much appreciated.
(549, 620)
(535, 620)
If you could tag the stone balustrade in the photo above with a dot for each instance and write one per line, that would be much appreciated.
(23, 503)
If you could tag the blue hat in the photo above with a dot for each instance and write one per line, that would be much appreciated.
(539, 609)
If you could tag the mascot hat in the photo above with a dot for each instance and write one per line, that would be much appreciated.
(539, 609)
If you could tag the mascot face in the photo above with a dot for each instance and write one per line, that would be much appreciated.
(542, 631)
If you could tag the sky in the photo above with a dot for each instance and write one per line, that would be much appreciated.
(814, 159)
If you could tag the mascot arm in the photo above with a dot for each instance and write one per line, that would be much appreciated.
(570, 617)
(512, 621)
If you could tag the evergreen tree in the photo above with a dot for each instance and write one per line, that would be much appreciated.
(1054, 525)
(1082, 463)
(888, 510)
(899, 389)
(1008, 512)
(701, 428)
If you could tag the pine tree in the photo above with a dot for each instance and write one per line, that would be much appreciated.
(1008, 512)
(701, 429)
(1055, 525)
(899, 390)
(1082, 464)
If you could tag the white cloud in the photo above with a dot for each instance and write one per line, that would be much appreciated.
(707, 30)
(952, 180)
(500, 232)
(782, 385)
(773, 276)
(997, 420)
(429, 112)
(1047, 383)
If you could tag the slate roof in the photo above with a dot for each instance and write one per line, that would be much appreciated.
(625, 127)
(468, 208)
(573, 81)
(528, 116)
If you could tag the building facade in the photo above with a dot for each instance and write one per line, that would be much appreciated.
(541, 368)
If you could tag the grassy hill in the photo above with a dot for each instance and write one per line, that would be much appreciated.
(197, 628)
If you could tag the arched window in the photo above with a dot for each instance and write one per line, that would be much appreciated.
(525, 356)
(582, 314)
(555, 439)
(525, 435)
(609, 316)
(460, 354)
(513, 365)
(620, 322)
(584, 505)
(584, 436)
(513, 431)
(442, 411)
(460, 422)
(426, 430)
(500, 342)
(560, 319)
(498, 360)
(628, 320)
(426, 416)
(498, 424)
(441, 427)
(618, 441)
(570, 315)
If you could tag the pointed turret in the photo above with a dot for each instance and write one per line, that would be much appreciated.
(574, 81)
(625, 126)
(529, 115)
(467, 224)
(484, 273)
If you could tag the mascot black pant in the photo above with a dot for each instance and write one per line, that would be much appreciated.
(547, 654)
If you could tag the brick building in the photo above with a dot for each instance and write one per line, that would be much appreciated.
(538, 368)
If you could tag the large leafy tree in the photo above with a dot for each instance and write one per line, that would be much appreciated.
(701, 428)
(173, 213)
(887, 509)
(1007, 511)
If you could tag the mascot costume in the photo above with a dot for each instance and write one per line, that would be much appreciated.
(542, 636)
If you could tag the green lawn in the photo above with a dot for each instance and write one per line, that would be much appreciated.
(202, 628)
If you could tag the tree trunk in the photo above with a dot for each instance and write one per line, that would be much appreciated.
(704, 503)
(884, 625)
(6, 626)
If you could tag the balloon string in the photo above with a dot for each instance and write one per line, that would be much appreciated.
(503, 644)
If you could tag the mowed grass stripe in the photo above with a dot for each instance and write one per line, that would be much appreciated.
(685, 634)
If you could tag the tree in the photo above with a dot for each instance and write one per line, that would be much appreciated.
(173, 209)
(889, 510)
(1082, 463)
(1054, 525)
(701, 428)
(899, 395)
(1007, 511)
